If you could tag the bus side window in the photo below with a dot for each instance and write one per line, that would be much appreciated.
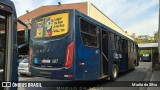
(129, 45)
(120, 44)
(117, 46)
(88, 33)
(134, 47)
(20, 37)
(124, 45)
(113, 41)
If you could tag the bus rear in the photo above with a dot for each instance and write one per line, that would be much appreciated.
(52, 45)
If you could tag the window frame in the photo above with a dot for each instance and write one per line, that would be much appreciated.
(113, 42)
(129, 46)
(4, 49)
(97, 36)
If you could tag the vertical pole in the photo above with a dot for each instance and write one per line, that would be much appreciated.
(151, 55)
(159, 33)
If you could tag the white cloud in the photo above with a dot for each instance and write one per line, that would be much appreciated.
(135, 16)
(71, 1)
(147, 26)
(23, 5)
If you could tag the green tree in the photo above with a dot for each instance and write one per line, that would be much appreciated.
(156, 36)
(141, 52)
(138, 40)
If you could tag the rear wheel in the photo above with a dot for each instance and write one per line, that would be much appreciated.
(114, 72)
(134, 65)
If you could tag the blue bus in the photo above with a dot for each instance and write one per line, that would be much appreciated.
(8, 53)
(69, 45)
(8, 44)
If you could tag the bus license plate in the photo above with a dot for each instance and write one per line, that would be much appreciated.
(46, 61)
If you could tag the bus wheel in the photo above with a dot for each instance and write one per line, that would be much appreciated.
(114, 72)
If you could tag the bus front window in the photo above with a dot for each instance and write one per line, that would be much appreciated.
(51, 26)
(2, 45)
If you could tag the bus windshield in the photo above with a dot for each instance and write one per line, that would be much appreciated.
(51, 26)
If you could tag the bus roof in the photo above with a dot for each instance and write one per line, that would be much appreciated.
(104, 26)
(88, 18)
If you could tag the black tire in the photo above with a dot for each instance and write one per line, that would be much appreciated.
(134, 66)
(114, 72)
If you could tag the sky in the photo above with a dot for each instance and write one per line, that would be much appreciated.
(133, 16)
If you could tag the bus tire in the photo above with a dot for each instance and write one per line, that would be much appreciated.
(114, 72)
(133, 68)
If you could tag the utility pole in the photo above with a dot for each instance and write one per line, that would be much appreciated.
(159, 34)
(156, 64)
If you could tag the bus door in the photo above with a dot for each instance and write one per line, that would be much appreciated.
(124, 56)
(2, 44)
(104, 53)
(6, 47)
(89, 51)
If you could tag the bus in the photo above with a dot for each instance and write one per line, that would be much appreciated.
(68, 45)
(8, 44)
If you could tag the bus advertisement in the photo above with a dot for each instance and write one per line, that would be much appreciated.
(69, 45)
